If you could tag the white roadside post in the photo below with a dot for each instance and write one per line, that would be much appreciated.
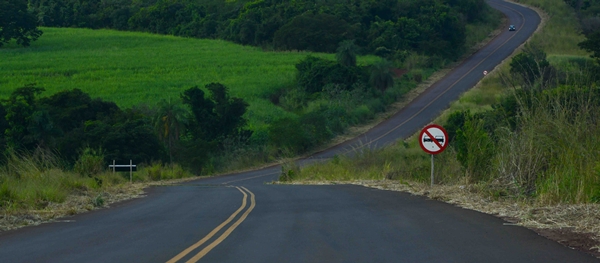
(433, 139)
(124, 168)
(432, 170)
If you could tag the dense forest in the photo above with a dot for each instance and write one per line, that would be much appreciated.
(388, 27)
(71, 122)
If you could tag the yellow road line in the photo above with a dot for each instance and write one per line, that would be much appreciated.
(226, 233)
(243, 179)
(214, 231)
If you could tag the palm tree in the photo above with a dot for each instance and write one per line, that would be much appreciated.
(346, 53)
(170, 122)
(382, 76)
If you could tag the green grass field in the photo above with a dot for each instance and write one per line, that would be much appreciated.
(138, 68)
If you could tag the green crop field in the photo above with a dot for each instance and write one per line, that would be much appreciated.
(138, 68)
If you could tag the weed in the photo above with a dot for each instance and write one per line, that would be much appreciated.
(98, 201)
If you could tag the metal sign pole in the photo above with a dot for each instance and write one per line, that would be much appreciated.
(432, 170)
(130, 171)
(114, 166)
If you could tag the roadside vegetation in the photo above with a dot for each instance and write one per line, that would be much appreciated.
(526, 131)
(76, 99)
(523, 143)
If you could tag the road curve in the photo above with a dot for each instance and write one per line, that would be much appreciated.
(239, 218)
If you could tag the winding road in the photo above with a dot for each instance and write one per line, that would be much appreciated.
(239, 218)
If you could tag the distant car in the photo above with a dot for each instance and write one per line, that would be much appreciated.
(512, 28)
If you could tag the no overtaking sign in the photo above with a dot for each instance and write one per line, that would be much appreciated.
(433, 139)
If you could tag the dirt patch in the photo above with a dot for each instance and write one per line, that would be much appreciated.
(585, 242)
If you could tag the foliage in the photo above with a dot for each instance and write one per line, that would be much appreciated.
(319, 33)
(70, 120)
(288, 135)
(91, 162)
(218, 109)
(382, 76)
(170, 121)
(592, 44)
(474, 149)
(532, 66)
(315, 73)
(115, 66)
(434, 27)
(20, 109)
(17, 23)
(346, 53)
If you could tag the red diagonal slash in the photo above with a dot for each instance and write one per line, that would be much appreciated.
(433, 139)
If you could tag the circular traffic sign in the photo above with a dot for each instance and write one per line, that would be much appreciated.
(433, 139)
(485, 72)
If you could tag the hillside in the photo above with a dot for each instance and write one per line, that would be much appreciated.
(131, 68)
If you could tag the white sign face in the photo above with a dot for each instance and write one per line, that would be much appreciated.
(433, 139)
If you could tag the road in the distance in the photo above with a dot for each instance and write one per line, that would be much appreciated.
(240, 218)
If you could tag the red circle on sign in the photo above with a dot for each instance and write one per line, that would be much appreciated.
(441, 147)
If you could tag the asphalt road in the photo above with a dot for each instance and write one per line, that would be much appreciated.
(240, 218)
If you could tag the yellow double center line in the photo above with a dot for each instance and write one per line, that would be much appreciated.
(223, 236)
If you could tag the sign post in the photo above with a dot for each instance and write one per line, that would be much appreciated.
(433, 139)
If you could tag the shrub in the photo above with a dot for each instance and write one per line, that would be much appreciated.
(474, 149)
(288, 134)
(90, 162)
(319, 33)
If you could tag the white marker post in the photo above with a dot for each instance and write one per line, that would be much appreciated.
(130, 171)
(433, 140)
(124, 168)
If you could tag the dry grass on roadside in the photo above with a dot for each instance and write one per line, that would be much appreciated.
(79, 203)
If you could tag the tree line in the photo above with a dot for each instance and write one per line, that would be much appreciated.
(587, 12)
(388, 27)
(69, 122)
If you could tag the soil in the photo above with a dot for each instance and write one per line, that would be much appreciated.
(580, 241)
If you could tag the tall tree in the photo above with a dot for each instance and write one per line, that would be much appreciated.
(216, 117)
(346, 53)
(531, 65)
(592, 44)
(170, 122)
(17, 23)
(382, 76)
(20, 108)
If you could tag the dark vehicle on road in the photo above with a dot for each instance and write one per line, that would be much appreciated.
(512, 28)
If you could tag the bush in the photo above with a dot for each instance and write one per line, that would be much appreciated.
(319, 33)
(316, 73)
(90, 162)
(288, 134)
(474, 149)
